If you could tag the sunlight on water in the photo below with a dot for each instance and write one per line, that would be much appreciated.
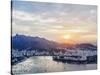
(40, 64)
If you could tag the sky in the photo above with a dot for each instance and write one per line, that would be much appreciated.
(64, 23)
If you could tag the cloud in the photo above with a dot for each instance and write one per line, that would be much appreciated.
(20, 15)
(50, 20)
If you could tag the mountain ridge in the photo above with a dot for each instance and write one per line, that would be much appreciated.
(28, 42)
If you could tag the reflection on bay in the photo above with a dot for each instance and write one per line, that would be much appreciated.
(41, 64)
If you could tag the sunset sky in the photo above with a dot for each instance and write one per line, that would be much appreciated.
(64, 23)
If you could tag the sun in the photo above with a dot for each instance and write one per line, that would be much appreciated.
(69, 38)
(66, 36)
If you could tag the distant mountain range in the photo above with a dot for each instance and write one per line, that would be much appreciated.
(27, 42)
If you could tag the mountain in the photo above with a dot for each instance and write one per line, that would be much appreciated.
(86, 46)
(27, 42)
(21, 42)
